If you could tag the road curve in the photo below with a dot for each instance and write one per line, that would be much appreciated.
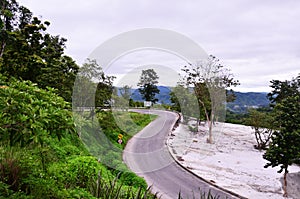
(147, 155)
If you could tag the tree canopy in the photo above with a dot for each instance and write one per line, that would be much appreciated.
(283, 89)
(147, 84)
(210, 81)
(28, 52)
(284, 148)
(184, 101)
(30, 114)
(92, 86)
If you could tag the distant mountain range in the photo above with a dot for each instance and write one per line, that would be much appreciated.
(163, 96)
(242, 102)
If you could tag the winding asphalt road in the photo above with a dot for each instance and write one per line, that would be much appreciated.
(147, 155)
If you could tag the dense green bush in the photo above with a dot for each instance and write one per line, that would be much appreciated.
(29, 114)
(77, 171)
(131, 179)
(36, 131)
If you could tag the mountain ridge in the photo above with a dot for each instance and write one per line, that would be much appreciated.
(243, 101)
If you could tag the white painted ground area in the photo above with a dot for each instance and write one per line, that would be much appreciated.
(232, 162)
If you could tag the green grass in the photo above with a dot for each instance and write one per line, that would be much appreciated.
(103, 142)
(125, 123)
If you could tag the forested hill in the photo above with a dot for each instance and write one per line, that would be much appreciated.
(242, 102)
(248, 100)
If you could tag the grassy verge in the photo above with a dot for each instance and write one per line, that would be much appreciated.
(101, 140)
(125, 123)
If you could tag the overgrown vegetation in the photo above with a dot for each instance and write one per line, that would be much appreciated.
(42, 160)
(102, 141)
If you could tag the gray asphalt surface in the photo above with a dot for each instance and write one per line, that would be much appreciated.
(147, 155)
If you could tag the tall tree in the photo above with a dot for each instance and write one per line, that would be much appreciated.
(284, 148)
(210, 80)
(184, 101)
(125, 92)
(121, 97)
(123, 100)
(28, 52)
(92, 86)
(10, 19)
(147, 84)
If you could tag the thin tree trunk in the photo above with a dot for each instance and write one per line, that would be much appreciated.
(256, 136)
(205, 111)
(285, 194)
(2, 49)
(197, 125)
(209, 120)
(260, 139)
(210, 137)
(209, 140)
(3, 44)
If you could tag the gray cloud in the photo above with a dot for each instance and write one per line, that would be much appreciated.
(258, 40)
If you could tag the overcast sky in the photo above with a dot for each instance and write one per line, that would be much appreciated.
(258, 40)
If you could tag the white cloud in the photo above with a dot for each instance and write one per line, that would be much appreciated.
(258, 40)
